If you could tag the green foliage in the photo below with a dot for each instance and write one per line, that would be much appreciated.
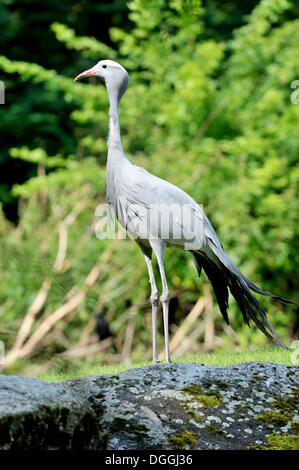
(208, 112)
(87, 45)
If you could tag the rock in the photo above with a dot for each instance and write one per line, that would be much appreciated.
(164, 406)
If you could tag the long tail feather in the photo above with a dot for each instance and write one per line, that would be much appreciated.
(256, 289)
(219, 284)
(227, 276)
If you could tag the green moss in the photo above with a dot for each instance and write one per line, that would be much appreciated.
(193, 414)
(179, 440)
(222, 385)
(283, 441)
(240, 409)
(276, 418)
(295, 427)
(120, 424)
(258, 448)
(277, 441)
(256, 378)
(282, 413)
(206, 399)
(289, 403)
(215, 431)
(208, 384)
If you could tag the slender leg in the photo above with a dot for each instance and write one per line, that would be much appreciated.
(154, 298)
(159, 250)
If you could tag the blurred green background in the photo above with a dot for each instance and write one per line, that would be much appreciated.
(208, 108)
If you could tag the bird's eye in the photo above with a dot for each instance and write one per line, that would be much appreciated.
(104, 66)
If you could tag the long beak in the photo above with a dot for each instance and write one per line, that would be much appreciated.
(87, 73)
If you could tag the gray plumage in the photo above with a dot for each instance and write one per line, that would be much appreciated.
(144, 204)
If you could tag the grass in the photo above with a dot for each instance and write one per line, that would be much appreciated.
(219, 358)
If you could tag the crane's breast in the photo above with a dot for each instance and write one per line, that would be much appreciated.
(148, 207)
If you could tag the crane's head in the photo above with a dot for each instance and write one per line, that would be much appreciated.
(115, 76)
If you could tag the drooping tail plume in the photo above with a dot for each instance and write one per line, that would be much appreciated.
(226, 277)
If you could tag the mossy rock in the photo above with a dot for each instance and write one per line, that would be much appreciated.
(215, 431)
(275, 418)
(283, 441)
(181, 439)
(205, 399)
(182, 406)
